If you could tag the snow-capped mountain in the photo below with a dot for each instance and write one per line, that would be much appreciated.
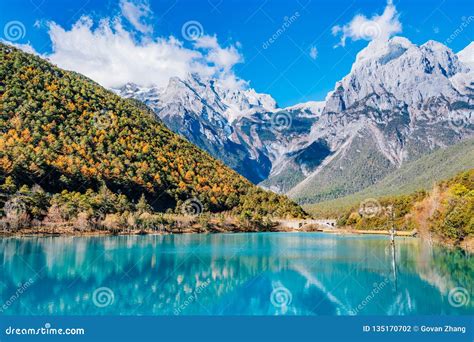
(398, 102)
(219, 120)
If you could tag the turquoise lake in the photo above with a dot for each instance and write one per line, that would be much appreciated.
(233, 274)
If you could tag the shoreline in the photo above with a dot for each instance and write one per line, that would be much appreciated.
(343, 231)
(192, 230)
(467, 245)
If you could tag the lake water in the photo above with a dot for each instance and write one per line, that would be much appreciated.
(233, 274)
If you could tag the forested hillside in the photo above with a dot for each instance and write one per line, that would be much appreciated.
(81, 146)
(445, 213)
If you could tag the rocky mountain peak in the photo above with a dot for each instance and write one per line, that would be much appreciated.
(381, 51)
(410, 73)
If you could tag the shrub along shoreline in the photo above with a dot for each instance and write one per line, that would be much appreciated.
(444, 215)
(29, 211)
(146, 223)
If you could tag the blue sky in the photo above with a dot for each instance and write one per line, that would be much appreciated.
(233, 39)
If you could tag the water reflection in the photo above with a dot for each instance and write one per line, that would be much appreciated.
(232, 274)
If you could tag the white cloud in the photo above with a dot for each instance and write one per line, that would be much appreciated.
(313, 52)
(137, 13)
(113, 56)
(224, 58)
(377, 27)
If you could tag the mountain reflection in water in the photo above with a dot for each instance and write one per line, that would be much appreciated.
(232, 274)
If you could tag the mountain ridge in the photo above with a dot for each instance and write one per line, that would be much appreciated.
(399, 101)
(404, 122)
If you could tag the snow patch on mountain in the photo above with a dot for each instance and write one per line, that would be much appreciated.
(466, 56)
(463, 82)
(311, 108)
